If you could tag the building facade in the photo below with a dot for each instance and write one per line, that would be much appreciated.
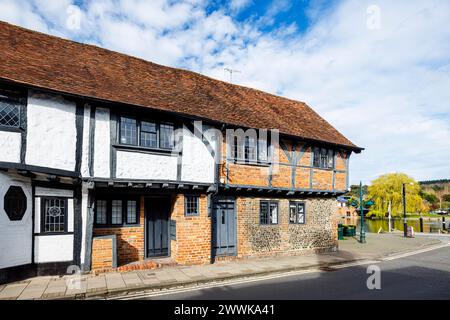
(106, 160)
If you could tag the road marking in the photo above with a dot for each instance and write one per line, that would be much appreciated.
(412, 253)
(173, 291)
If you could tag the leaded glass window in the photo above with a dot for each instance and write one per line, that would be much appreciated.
(128, 131)
(101, 212)
(10, 105)
(54, 215)
(149, 134)
(116, 212)
(131, 211)
(166, 136)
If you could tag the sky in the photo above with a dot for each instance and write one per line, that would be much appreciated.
(378, 71)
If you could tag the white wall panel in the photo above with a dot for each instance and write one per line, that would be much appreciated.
(135, 165)
(197, 162)
(51, 131)
(15, 236)
(10, 146)
(102, 143)
(55, 248)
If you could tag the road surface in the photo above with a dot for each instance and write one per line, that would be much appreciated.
(421, 276)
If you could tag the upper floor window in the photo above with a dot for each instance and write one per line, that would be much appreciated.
(147, 134)
(248, 148)
(10, 108)
(323, 158)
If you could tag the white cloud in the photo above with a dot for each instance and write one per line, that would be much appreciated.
(386, 90)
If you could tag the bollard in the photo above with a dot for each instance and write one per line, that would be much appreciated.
(443, 223)
(421, 224)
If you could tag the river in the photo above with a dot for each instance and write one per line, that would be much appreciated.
(429, 226)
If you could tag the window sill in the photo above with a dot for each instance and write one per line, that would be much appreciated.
(163, 152)
(10, 129)
(250, 163)
(116, 226)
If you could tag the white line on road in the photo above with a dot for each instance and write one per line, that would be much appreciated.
(272, 276)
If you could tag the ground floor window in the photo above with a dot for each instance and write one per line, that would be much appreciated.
(297, 212)
(54, 215)
(191, 206)
(116, 212)
(268, 212)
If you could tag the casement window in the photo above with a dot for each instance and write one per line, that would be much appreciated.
(116, 212)
(11, 109)
(297, 213)
(248, 149)
(268, 212)
(54, 215)
(323, 158)
(191, 206)
(147, 134)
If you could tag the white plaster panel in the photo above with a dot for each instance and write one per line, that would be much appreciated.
(15, 236)
(70, 215)
(135, 165)
(197, 162)
(37, 215)
(85, 149)
(102, 143)
(53, 248)
(10, 146)
(51, 131)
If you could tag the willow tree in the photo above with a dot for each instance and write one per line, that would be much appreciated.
(388, 187)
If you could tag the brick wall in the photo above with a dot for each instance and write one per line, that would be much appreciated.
(193, 243)
(318, 234)
(102, 254)
(282, 170)
(130, 240)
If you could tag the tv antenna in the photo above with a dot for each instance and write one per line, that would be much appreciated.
(231, 71)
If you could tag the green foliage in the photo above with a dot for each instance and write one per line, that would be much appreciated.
(430, 197)
(388, 187)
(446, 197)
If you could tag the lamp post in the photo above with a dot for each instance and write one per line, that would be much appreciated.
(362, 233)
(405, 224)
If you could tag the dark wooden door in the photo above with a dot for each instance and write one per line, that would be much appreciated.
(224, 228)
(157, 212)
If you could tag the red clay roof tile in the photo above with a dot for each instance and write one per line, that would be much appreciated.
(47, 62)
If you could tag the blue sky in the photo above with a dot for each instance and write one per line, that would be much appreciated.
(378, 70)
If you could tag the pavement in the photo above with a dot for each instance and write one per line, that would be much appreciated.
(115, 284)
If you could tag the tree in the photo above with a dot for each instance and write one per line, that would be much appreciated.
(430, 199)
(446, 197)
(388, 187)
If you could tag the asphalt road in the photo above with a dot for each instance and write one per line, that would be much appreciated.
(422, 276)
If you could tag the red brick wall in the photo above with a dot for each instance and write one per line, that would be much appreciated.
(130, 240)
(102, 254)
(193, 243)
(247, 175)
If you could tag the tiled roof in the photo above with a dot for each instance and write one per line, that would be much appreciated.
(47, 62)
